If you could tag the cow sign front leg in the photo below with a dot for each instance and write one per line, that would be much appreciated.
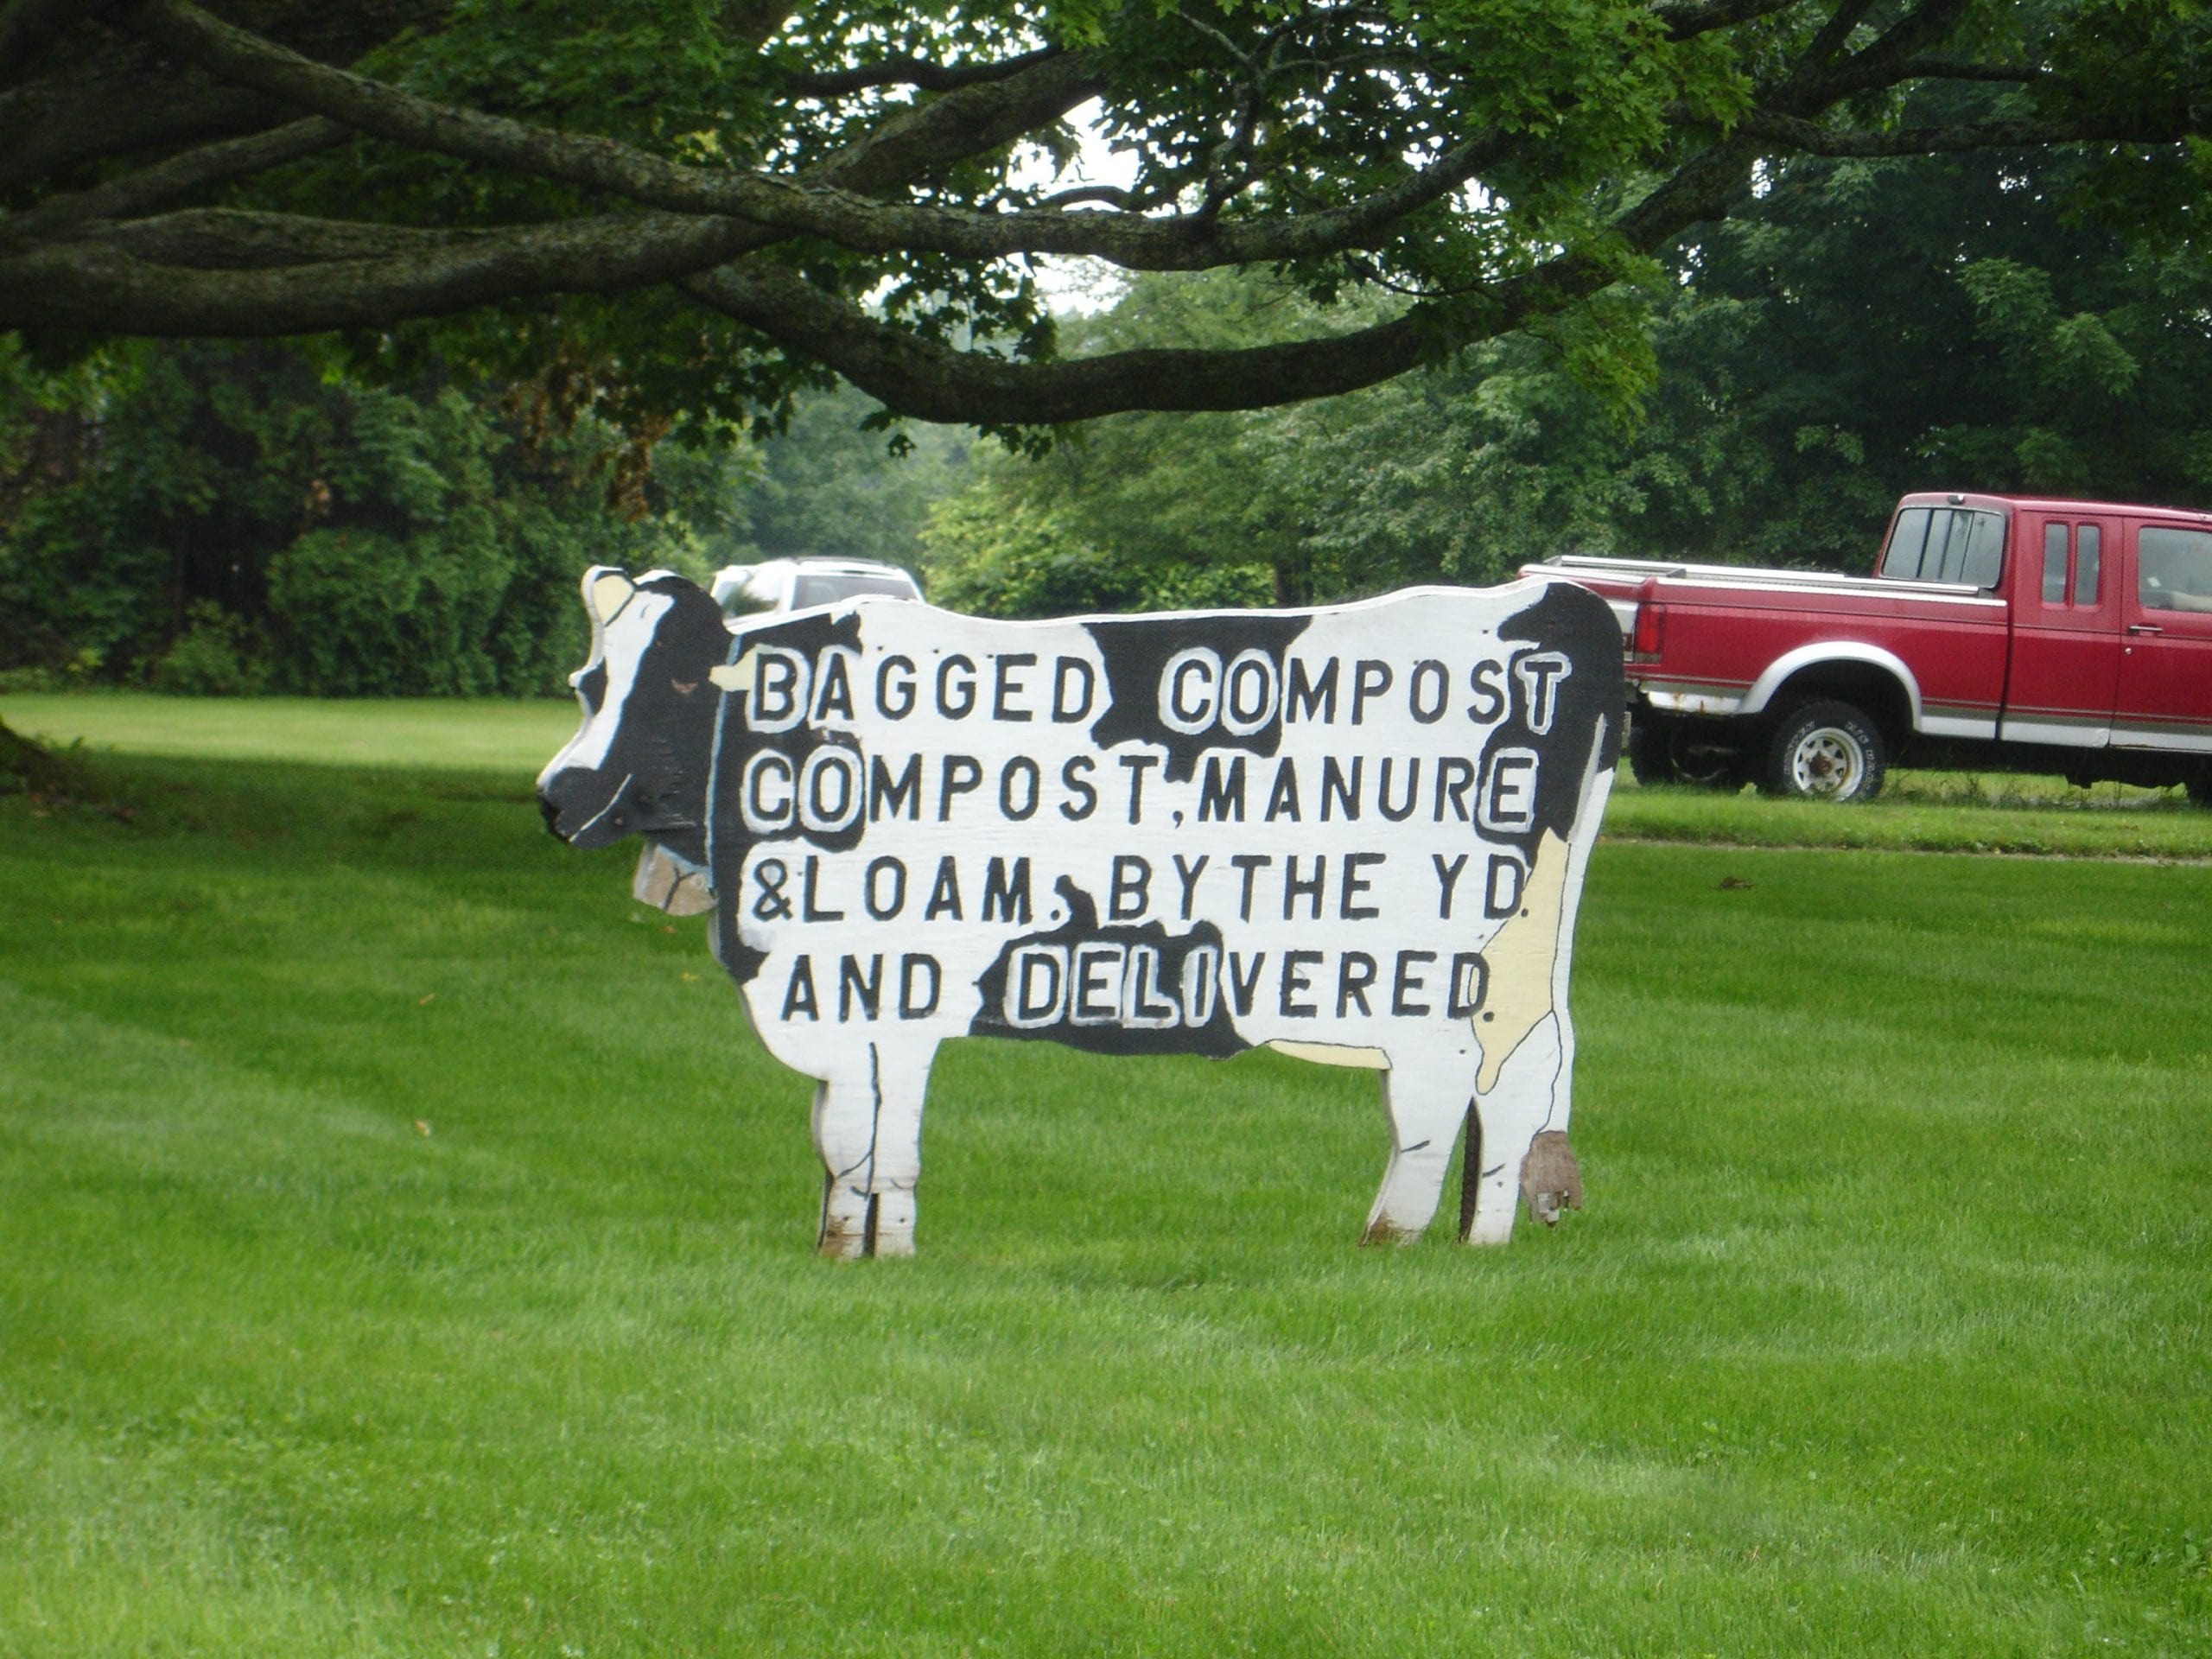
(902, 1076)
(1421, 1103)
(868, 1130)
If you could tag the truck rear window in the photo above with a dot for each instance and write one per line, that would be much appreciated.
(1946, 545)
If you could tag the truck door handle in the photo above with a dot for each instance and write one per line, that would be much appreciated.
(2145, 627)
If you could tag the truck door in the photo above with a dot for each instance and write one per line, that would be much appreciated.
(2165, 663)
(2066, 645)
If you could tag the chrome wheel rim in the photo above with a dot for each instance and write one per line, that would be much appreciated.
(1829, 762)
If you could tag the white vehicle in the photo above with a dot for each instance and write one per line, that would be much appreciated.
(795, 584)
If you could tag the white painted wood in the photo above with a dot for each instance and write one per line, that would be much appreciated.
(1357, 834)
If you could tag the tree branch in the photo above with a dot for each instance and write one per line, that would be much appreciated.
(1812, 138)
(1884, 63)
(606, 164)
(917, 72)
(125, 100)
(98, 285)
(29, 28)
(1685, 19)
(972, 121)
(932, 381)
(165, 182)
(230, 238)
(1958, 69)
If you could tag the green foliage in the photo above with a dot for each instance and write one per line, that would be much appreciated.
(214, 656)
(220, 520)
(994, 556)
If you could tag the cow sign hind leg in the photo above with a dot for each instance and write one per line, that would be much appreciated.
(1422, 1104)
(844, 1120)
(1522, 1109)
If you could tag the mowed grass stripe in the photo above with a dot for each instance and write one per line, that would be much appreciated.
(1920, 811)
(1885, 1332)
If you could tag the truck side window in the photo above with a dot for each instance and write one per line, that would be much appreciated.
(1902, 557)
(2173, 570)
(2087, 565)
(1984, 561)
(2054, 565)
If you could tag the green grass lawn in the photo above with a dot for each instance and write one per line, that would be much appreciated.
(1886, 1331)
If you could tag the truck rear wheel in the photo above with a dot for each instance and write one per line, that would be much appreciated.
(2200, 786)
(1649, 745)
(1826, 752)
(1665, 750)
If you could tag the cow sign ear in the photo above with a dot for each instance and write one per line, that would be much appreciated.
(606, 591)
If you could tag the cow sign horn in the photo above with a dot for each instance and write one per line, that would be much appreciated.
(606, 591)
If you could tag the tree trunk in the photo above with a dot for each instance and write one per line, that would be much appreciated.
(26, 764)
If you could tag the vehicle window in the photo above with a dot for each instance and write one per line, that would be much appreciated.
(1983, 559)
(747, 601)
(824, 589)
(2173, 570)
(1902, 557)
(1947, 544)
(2054, 565)
(2087, 565)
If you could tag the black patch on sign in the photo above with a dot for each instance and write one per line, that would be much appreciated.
(1579, 626)
(1137, 651)
(1217, 1038)
(806, 635)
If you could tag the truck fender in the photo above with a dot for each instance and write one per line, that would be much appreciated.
(1791, 663)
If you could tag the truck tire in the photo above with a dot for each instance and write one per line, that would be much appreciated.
(1650, 746)
(1826, 752)
(1697, 754)
(2200, 787)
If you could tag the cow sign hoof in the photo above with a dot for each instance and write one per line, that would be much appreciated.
(1357, 834)
(1549, 1178)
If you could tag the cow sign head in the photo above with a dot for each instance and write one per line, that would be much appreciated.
(637, 765)
(1356, 835)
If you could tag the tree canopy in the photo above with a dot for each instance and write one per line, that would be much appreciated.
(713, 202)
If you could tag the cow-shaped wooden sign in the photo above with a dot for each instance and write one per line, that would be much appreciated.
(1356, 835)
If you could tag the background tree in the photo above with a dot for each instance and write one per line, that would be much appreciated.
(831, 482)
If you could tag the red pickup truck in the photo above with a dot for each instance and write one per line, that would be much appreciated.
(2071, 637)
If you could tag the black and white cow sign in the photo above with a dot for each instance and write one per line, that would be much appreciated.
(1356, 834)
